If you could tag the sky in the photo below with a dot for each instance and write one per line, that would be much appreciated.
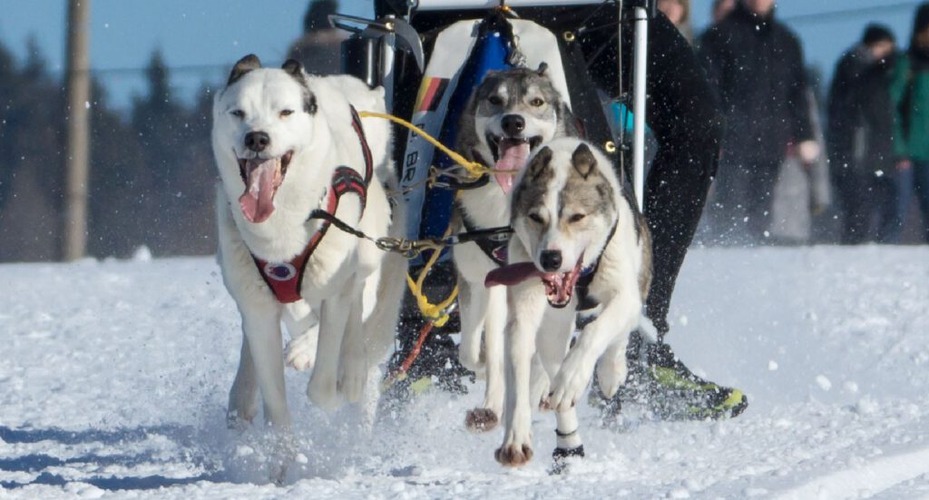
(117, 390)
(200, 40)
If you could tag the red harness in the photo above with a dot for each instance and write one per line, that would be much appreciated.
(286, 278)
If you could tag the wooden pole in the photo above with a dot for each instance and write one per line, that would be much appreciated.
(78, 138)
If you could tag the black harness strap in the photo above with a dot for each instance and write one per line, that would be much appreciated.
(493, 242)
(285, 279)
(586, 303)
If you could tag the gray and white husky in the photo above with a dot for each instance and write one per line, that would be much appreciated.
(580, 251)
(288, 145)
(510, 114)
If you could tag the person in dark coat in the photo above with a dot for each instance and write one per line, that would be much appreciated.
(319, 48)
(909, 91)
(860, 137)
(755, 63)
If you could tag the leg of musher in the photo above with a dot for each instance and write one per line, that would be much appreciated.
(682, 115)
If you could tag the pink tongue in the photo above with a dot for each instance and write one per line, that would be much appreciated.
(257, 201)
(511, 274)
(513, 156)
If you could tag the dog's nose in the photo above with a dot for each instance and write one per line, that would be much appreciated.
(513, 125)
(257, 141)
(550, 260)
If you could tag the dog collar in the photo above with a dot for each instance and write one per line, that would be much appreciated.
(285, 279)
(585, 301)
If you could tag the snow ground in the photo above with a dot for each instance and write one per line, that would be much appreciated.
(114, 377)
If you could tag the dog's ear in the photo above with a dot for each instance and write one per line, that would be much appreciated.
(246, 64)
(539, 163)
(293, 68)
(543, 67)
(309, 103)
(583, 160)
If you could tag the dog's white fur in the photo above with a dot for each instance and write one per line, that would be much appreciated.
(620, 284)
(353, 288)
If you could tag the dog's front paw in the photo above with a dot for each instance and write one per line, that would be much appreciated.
(323, 392)
(561, 458)
(539, 391)
(516, 449)
(481, 420)
(237, 422)
(243, 406)
(545, 404)
(300, 352)
(514, 455)
(568, 388)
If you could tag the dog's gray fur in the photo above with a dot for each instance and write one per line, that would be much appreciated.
(530, 96)
(521, 91)
(569, 204)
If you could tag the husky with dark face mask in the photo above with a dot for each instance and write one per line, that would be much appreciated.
(580, 255)
(509, 115)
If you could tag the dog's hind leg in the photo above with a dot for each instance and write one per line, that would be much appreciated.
(473, 301)
(243, 400)
(552, 344)
(303, 327)
(333, 318)
(381, 326)
(353, 359)
(612, 368)
(540, 383)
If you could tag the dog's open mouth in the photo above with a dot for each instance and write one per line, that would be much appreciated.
(510, 155)
(262, 177)
(559, 287)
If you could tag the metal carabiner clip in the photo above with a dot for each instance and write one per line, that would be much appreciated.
(402, 246)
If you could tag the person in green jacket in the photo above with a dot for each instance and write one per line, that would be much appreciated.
(909, 92)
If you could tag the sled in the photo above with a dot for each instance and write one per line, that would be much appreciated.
(430, 54)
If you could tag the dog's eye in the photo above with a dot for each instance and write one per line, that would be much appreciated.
(495, 100)
(576, 217)
(287, 112)
(537, 102)
(535, 217)
(238, 113)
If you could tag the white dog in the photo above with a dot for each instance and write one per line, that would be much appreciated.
(290, 148)
(580, 251)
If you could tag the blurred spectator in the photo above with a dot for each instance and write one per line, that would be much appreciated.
(860, 138)
(319, 49)
(802, 190)
(721, 9)
(678, 12)
(910, 93)
(756, 65)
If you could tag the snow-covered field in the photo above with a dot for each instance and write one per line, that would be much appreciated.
(114, 376)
